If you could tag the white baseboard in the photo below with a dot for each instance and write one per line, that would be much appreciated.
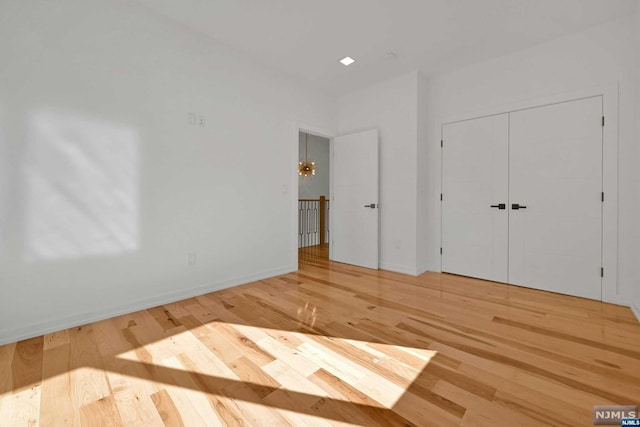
(405, 270)
(635, 308)
(44, 327)
(422, 269)
(398, 269)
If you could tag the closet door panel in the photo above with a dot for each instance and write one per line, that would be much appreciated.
(555, 170)
(475, 176)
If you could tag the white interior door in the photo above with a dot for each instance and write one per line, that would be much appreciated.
(354, 199)
(475, 187)
(556, 172)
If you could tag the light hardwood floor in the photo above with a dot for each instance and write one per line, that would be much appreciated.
(333, 345)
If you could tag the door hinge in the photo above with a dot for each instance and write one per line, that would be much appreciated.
(440, 196)
(440, 251)
(602, 121)
(441, 143)
(603, 196)
(601, 271)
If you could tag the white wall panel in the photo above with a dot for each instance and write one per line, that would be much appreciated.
(106, 187)
(602, 56)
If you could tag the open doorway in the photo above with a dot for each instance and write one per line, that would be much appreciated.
(314, 227)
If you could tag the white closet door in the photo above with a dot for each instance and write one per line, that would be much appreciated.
(475, 177)
(555, 166)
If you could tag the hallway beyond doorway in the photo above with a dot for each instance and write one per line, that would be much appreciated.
(314, 253)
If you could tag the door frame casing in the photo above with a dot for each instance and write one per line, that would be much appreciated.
(609, 93)
(294, 183)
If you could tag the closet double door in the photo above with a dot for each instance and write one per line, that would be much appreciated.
(522, 197)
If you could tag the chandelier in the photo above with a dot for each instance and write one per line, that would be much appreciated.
(306, 168)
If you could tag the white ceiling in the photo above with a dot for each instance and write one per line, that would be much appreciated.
(305, 39)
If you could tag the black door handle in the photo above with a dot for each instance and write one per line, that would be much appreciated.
(516, 206)
(500, 206)
(372, 206)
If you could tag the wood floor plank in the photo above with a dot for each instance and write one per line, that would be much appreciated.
(592, 359)
(22, 408)
(88, 380)
(249, 349)
(204, 314)
(26, 365)
(390, 371)
(134, 404)
(167, 409)
(177, 309)
(6, 359)
(55, 339)
(291, 380)
(288, 354)
(569, 337)
(193, 325)
(194, 408)
(333, 344)
(206, 363)
(57, 407)
(252, 408)
(131, 382)
(257, 380)
(190, 401)
(196, 364)
(494, 414)
(284, 398)
(109, 339)
(101, 413)
(164, 318)
(336, 388)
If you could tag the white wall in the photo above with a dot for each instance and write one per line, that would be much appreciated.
(601, 55)
(392, 108)
(317, 185)
(107, 188)
(422, 230)
(636, 298)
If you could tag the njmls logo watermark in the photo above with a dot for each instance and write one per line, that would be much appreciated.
(613, 415)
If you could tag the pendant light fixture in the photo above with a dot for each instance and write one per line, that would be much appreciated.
(306, 168)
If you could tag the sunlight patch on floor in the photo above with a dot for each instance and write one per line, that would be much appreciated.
(298, 357)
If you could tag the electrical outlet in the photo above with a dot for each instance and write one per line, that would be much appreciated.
(201, 121)
(191, 119)
(191, 259)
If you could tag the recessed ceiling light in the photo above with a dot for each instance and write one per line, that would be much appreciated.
(347, 60)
